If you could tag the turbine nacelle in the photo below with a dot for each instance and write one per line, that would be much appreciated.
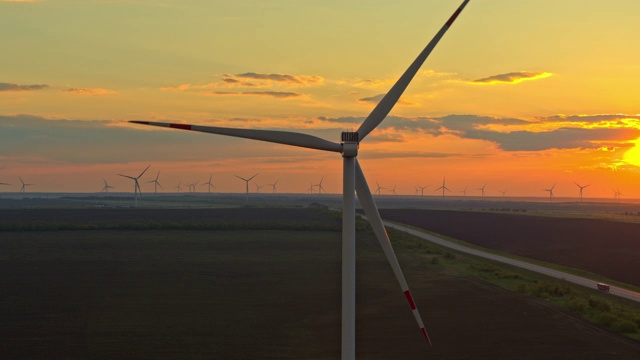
(350, 144)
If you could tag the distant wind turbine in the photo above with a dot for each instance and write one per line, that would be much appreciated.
(550, 190)
(209, 183)
(106, 186)
(258, 187)
(273, 186)
(617, 193)
(136, 185)
(246, 183)
(179, 186)
(24, 185)
(156, 183)
(353, 180)
(310, 190)
(443, 187)
(421, 189)
(581, 188)
(482, 190)
(464, 192)
(393, 190)
(379, 188)
(319, 186)
(192, 186)
(504, 192)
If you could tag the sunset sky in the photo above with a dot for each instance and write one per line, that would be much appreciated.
(518, 95)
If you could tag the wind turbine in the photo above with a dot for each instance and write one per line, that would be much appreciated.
(310, 189)
(393, 191)
(482, 189)
(319, 185)
(245, 180)
(421, 189)
(353, 181)
(504, 192)
(550, 192)
(156, 183)
(273, 186)
(258, 187)
(209, 183)
(106, 186)
(379, 188)
(192, 186)
(443, 187)
(179, 187)
(617, 193)
(581, 188)
(24, 185)
(136, 185)
(464, 192)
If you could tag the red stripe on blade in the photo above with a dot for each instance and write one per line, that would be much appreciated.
(180, 126)
(426, 336)
(454, 16)
(407, 294)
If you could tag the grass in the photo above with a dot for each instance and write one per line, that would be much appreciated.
(617, 315)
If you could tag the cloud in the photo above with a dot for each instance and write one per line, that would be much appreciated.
(497, 130)
(589, 118)
(90, 91)
(280, 78)
(16, 87)
(512, 77)
(182, 87)
(275, 94)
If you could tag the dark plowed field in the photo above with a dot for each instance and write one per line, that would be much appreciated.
(206, 294)
(607, 248)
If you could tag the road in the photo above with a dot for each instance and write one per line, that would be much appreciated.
(614, 290)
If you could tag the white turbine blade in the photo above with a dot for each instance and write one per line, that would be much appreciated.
(241, 178)
(249, 179)
(274, 136)
(391, 98)
(370, 209)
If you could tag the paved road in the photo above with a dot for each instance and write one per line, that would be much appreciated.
(617, 291)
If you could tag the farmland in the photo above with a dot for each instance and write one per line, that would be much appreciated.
(195, 283)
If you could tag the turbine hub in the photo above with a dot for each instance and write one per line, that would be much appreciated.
(350, 141)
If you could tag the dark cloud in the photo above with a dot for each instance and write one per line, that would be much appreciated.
(284, 78)
(512, 77)
(17, 87)
(477, 128)
(373, 99)
(275, 94)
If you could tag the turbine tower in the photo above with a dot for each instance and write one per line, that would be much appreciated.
(106, 186)
(353, 181)
(443, 188)
(156, 183)
(581, 188)
(209, 183)
(241, 178)
(136, 185)
(550, 190)
(24, 185)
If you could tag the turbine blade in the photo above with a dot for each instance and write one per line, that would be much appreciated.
(145, 170)
(274, 136)
(249, 179)
(127, 176)
(391, 98)
(370, 209)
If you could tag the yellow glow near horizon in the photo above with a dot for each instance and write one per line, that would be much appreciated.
(632, 156)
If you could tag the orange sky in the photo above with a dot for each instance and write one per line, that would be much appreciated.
(517, 95)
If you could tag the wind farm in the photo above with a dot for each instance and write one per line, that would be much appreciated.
(292, 267)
